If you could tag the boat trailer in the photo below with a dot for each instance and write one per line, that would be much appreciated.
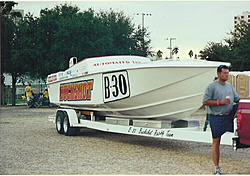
(69, 121)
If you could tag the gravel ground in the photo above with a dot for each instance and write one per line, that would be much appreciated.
(30, 145)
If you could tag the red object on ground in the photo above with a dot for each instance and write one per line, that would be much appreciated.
(243, 121)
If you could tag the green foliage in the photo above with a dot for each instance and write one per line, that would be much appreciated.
(8, 29)
(175, 51)
(6, 7)
(44, 45)
(215, 52)
(159, 54)
(191, 53)
(10, 63)
(239, 46)
(7, 35)
(64, 32)
(236, 49)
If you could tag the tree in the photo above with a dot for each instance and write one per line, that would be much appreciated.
(175, 51)
(10, 63)
(6, 7)
(25, 48)
(119, 34)
(239, 47)
(215, 52)
(191, 53)
(7, 29)
(141, 42)
(235, 50)
(64, 32)
(159, 54)
(43, 45)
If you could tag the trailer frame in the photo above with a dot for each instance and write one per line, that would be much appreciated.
(69, 121)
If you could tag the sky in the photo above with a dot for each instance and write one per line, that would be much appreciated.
(192, 23)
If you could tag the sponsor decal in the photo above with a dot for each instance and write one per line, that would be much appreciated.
(80, 90)
(115, 86)
(150, 132)
(60, 74)
(64, 77)
(68, 72)
(116, 63)
(84, 73)
(52, 78)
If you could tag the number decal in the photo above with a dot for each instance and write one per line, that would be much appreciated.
(122, 84)
(116, 90)
(115, 86)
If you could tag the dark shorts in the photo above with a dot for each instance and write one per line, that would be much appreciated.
(222, 123)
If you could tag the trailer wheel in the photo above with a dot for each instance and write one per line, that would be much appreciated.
(68, 130)
(59, 122)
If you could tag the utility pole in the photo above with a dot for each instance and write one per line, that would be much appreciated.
(170, 47)
(143, 14)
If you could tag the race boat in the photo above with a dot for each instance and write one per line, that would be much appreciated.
(133, 87)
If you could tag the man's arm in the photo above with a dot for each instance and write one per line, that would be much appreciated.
(214, 102)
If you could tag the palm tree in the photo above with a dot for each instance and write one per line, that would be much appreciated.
(175, 50)
(159, 54)
(191, 53)
(195, 56)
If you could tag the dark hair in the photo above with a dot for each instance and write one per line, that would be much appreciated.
(221, 67)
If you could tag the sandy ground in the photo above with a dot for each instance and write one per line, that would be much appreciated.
(31, 145)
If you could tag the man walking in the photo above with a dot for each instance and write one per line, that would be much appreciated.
(218, 98)
(28, 93)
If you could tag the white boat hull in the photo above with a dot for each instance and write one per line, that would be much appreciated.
(161, 91)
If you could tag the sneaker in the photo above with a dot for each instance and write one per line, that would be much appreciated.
(217, 170)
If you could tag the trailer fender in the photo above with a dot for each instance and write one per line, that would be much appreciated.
(71, 113)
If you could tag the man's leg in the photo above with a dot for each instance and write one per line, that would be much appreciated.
(39, 100)
(28, 101)
(216, 151)
(216, 155)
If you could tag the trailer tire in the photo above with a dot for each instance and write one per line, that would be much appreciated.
(68, 130)
(59, 122)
